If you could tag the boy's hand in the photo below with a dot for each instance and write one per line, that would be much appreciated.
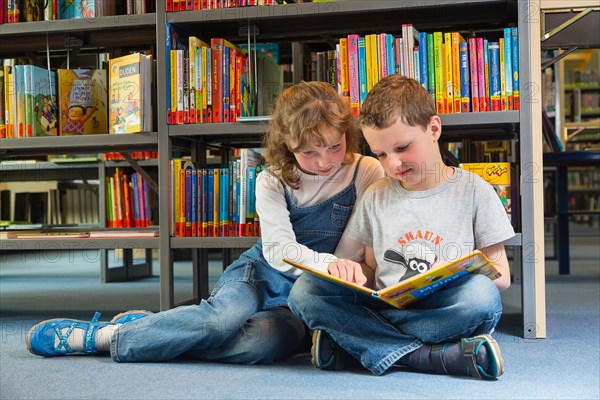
(347, 270)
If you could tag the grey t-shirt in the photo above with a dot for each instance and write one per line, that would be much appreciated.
(410, 230)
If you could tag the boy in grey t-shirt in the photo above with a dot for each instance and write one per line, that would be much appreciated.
(422, 214)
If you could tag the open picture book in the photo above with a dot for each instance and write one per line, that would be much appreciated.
(419, 286)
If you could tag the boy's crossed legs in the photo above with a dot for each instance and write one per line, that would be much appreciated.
(380, 336)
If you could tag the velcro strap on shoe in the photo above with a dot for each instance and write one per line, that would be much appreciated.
(470, 357)
(89, 341)
(437, 359)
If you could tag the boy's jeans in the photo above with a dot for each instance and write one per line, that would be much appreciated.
(379, 335)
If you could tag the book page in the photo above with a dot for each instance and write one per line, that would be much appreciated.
(331, 278)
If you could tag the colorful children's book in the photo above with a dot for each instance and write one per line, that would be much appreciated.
(129, 89)
(70, 9)
(83, 98)
(496, 174)
(420, 286)
(40, 102)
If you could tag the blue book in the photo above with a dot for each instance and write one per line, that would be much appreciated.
(423, 63)
(514, 42)
(494, 57)
(176, 39)
(362, 69)
(465, 77)
(390, 56)
(508, 85)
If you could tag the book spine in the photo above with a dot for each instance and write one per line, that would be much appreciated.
(431, 66)
(344, 70)
(194, 203)
(481, 74)
(362, 69)
(494, 58)
(514, 42)
(217, 79)
(508, 68)
(503, 103)
(226, 88)
(423, 61)
(464, 77)
(216, 201)
(473, 73)
(353, 73)
(439, 80)
(447, 67)
(456, 85)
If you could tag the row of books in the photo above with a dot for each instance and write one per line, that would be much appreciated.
(130, 202)
(461, 75)
(12, 11)
(188, 5)
(136, 155)
(33, 103)
(205, 82)
(214, 202)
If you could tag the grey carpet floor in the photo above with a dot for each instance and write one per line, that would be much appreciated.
(33, 286)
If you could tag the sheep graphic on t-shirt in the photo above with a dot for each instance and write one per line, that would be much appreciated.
(416, 257)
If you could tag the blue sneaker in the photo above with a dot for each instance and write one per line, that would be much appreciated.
(41, 338)
(326, 354)
(129, 316)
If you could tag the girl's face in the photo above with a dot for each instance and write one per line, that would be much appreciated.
(407, 153)
(324, 160)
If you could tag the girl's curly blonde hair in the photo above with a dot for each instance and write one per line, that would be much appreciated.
(301, 114)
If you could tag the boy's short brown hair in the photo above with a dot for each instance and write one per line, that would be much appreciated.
(393, 97)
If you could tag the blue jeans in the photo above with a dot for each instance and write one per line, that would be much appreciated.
(238, 323)
(378, 335)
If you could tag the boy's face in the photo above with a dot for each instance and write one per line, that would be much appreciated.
(408, 153)
(324, 160)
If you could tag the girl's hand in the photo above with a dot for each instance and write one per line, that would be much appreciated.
(347, 270)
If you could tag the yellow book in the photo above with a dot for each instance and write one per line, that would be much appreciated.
(438, 62)
(128, 87)
(9, 102)
(344, 71)
(173, 76)
(369, 62)
(176, 223)
(456, 86)
(496, 174)
(374, 56)
(195, 87)
(419, 286)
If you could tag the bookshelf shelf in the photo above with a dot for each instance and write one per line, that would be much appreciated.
(118, 30)
(47, 171)
(313, 20)
(86, 244)
(507, 120)
(78, 144)
(213, 242)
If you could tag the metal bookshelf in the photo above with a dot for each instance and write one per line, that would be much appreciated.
(324, 22)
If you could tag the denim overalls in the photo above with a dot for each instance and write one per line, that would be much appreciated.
(244, 319)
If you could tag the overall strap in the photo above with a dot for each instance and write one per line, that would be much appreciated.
(356, 169)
